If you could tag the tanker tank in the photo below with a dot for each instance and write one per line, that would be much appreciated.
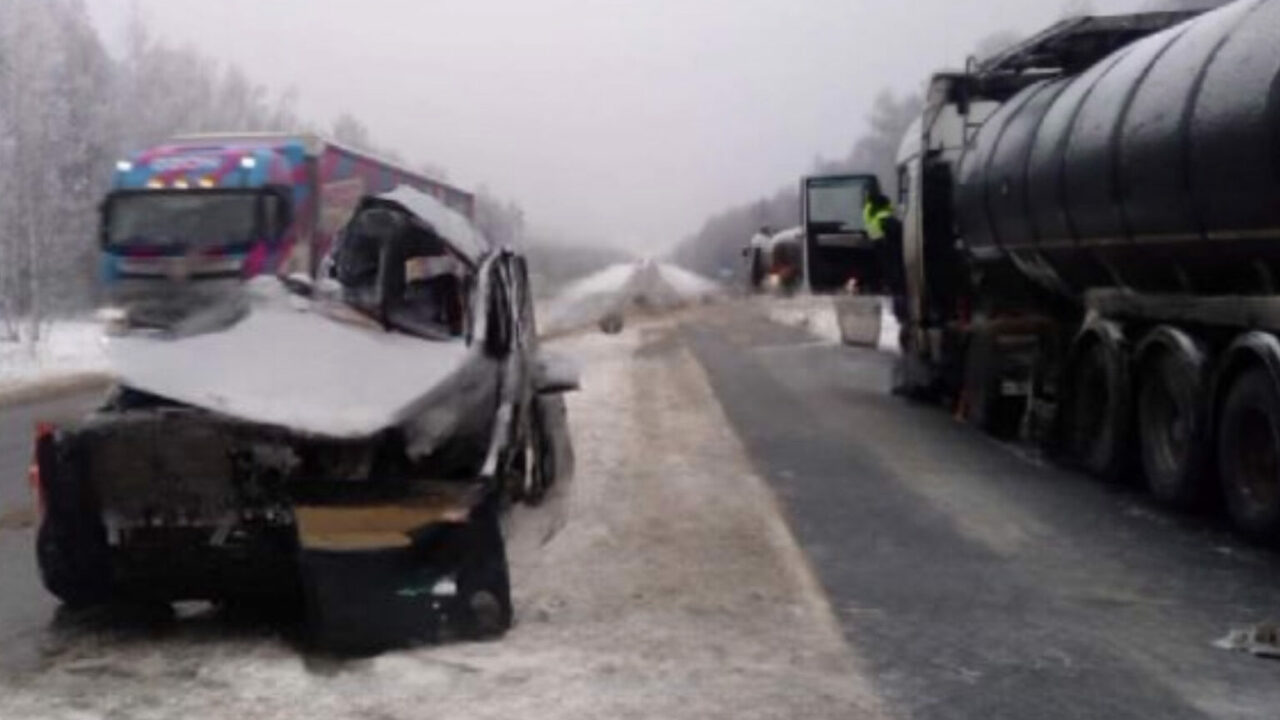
(1157, 169)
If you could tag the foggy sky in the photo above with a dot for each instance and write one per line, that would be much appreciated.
(627, 122)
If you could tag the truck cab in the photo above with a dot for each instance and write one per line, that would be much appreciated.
(199, 210)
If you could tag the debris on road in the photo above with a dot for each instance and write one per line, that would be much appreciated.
(612, 323)
(1262, 640)
(604, 298)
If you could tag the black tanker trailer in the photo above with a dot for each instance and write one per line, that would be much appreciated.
(1092, 241)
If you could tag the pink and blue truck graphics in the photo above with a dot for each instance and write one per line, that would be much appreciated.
(235, 206)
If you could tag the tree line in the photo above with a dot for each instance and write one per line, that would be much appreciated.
(717, 245)
(69, 109)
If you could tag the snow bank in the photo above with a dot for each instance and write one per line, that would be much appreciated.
(687, 284)
(616, 288)
(605, 282)
(66, 347)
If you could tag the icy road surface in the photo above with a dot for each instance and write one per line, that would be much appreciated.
(672, 590)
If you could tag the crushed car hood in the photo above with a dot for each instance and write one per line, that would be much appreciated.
(313, 367)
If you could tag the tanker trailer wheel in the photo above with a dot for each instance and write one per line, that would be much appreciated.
(1096, 410)
(1249, 455)
(1169, 429)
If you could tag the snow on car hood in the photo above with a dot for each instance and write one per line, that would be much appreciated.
(295, 363)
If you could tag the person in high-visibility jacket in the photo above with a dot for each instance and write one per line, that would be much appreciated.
(875, 212)
(883, 228)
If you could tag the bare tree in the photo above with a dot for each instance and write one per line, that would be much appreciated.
(54, 141)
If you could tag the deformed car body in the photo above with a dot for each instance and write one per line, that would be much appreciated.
(352, 440)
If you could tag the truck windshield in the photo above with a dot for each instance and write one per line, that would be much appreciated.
(837, 204)
(183, 218)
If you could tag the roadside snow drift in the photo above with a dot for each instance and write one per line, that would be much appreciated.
(66, 347)
(644, 284)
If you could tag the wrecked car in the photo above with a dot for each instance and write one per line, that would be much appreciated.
(352, 441)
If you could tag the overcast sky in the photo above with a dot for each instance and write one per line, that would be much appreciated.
(623, 121)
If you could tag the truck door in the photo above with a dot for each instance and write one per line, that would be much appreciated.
(837, 248)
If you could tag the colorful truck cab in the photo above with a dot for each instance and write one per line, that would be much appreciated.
(235, 206)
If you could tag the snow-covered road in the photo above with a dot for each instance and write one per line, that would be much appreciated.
(646, 284)
(673, 589)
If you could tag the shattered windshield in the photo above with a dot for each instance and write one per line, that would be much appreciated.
(186, 218)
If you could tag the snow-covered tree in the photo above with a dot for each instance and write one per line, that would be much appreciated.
(55, 138)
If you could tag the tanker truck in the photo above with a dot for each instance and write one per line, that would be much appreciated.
(1091, 225)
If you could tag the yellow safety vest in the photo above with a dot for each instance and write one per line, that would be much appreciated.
(874, 221)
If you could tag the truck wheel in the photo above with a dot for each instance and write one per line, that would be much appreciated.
(1169, 429)
(1249, 455)
(1097, 410)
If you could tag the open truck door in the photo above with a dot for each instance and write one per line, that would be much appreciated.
(840, 257)
(837, 248)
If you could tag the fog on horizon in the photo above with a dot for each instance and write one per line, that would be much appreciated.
(627, 123)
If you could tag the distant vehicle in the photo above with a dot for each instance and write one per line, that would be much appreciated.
(239, 205)
(775, 261)
(1092, 241)
(351, 441)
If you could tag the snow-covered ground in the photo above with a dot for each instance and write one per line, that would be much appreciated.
(817, 314)
(67, 346)
(617, 287)
(672, 590)
(687, 284)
